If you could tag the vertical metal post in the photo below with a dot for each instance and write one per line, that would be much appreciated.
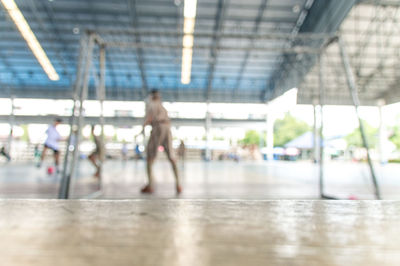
(382, 133)
(83, 96)
(315, 155)
(66, 175)
(270, 134)
(12, 122)
(84, 64)
(208, 137)
(101, 97)
(356, 102)
(321, 127)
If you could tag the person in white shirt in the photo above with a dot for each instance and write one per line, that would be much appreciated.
(52, 143)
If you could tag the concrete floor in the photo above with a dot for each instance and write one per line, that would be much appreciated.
(199, 232)
(213, 180)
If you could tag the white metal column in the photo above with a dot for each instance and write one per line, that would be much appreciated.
(270, 133)
(382, 134)
(356, 102)
(11, 122)
(208, 134)
(321, 127)
(77, 117)
(315, 135)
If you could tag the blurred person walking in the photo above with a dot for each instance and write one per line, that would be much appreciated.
(157, 117)
(53, 137)
(97, 156)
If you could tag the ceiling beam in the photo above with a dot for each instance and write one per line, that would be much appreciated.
(394, 3)
(219, 18)
(128, 94)
(251, 39)
(286, 59)
(375, 24)
(132, 121)
(323, 16)
(133, 15)
(55, 34)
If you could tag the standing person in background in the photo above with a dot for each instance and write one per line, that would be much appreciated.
(157, 117)
(124, 151)
(37, 154)
(138, 152)
(53, 137)
(97, 156)
(182, 151)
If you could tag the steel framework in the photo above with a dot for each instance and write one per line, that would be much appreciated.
(353, 90)
(92, 39)
(84, 70)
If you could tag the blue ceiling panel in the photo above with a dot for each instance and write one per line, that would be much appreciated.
(232, 52)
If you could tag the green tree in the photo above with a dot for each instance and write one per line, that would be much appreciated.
(251, 137)
(287, 129)
(218, 138)
(354, 138)
(395, 135)
(25, 136)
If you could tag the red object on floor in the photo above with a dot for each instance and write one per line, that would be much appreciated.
(50, 170)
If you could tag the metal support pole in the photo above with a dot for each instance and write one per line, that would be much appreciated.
(101, 97)
(83, 96)
(315, 135)
(321, 127)
(66, 175)
(12, 122)
(382, 133)
(208, 137)
(356, 102)
(84, 63)
(270, 134)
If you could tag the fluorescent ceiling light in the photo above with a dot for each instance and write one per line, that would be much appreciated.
(185, 79)
(30, 38)
(187, 41)
(189, 14)
(186, 65)
(188, 25)
(190, 9)
(187, 55)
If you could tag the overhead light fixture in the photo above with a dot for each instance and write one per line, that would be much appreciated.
(188, 26)
(30, 38)
(189, 14)
(187, 41)
(190, 9)
(186, 65)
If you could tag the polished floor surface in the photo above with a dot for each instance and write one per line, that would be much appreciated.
(199, 232)
(202, 180)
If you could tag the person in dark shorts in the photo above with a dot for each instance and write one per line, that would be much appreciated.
(97, 156)
(157, 117)
(53, 137)
(4, 153)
